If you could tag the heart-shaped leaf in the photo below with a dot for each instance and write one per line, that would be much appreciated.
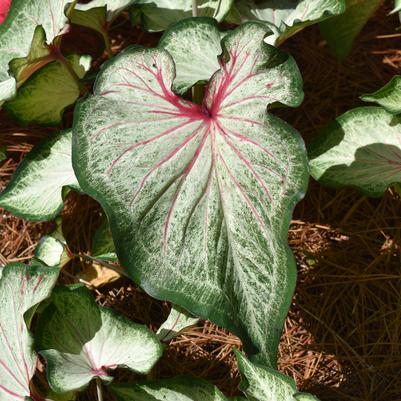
(21, 289)
(158, 15)
(178, 320)
(17, 31)
(81, 341)
(287, 17)
(341, 31)
(36, 188)
(177, 389)
(199, 197)
(388, 97)
(44, 97)
(260, 383)
(361, 149)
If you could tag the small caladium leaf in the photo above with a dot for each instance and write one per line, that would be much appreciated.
(35, 190)
(178, 320)
(199, 197)
(195, 46)
(44, 97)
(177, 389)
(103, 246)
(361, 149)
(341, 31)
(22, 288)
(260, 383)
(19, 27)
(39, 55)
(388, 97)
(52, 249)
(81, 340)
(158, 15)
(287, 17)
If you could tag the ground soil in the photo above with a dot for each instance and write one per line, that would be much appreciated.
(342, 338)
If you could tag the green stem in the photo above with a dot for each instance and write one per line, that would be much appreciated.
(194, 8)
(99, 389)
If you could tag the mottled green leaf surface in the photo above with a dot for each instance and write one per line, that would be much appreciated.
(17, 31)
(199, 197)
(177, 389)
(158, 15)
(195, 46)
(22, 287)
(35, 189)
(286, 17)
(361, 149)
(178, 320)
(103, 245)
(44, 97)
(388, 97)
(81, 340)
(260, 383)
(341, 31)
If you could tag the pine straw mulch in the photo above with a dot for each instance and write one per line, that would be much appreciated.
(342, 338)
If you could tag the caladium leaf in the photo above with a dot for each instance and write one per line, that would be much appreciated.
(397, 7)
(44, 97)
(158, 15)
(388, 97)
(17, 31)
(177, 389)
(36, 188)
(103, 245)
(287, 17)
(260, 383)
(341, 31)
(81, 340)
(195, 46)
(21, 289)
(178, 320)
(199, 197)
(361, 149)
(52, 249)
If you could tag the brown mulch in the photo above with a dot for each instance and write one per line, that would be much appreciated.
(342, 338)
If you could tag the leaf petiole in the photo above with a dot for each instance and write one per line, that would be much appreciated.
(99, 389)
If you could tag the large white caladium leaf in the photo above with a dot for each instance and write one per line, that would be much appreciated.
(17, 31)
(177, 389)
(361, 149)
(81, 340)
(199, 197)
(286, 17)
(36, 188)
(260, 383)
(341, 31)
(389, 96)
(22, 287)
(158, 15)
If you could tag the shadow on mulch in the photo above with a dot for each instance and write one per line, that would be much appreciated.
(342, 337)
